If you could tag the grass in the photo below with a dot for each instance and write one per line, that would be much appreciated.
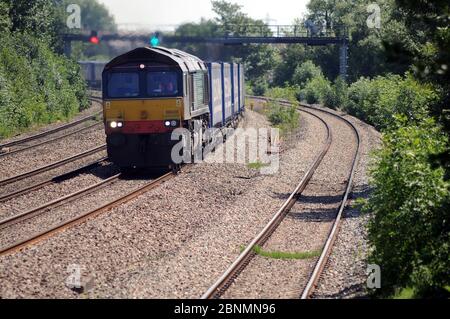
(285, 118)
(405, 293)
(284, 255)
(257, 165)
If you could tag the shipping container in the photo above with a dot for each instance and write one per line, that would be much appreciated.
(215, 101)
(242, 88)
(226, 92)
(235, 89)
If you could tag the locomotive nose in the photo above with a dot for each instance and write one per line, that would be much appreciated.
(144, 115)
(116, 139)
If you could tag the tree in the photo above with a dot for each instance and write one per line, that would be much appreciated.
(37, 85)
(39, 18)
(290, 57)
(305, 73)
(5, 20)
(428, 43)
(367, 47)
(322, 10)
(258, 59)
(94, 15)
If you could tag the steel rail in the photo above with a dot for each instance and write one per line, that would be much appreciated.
(83, 217)
(52, 204)
(326, 251)
(51, 166)
(51, 180)
(227, 278)
(233, 271)
(55, 130)
(49, 141)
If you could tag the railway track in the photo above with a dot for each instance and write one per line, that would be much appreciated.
(228, 277)
(55, 203)
(50, 231)
(51, 166)
(20, 145)
(56, 179)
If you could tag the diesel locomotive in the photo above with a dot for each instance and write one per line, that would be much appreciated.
(151, 91)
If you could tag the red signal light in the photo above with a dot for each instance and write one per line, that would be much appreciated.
(94, 40)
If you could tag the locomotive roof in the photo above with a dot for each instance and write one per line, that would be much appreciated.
(172, 57)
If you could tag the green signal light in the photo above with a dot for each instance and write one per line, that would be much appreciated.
(154, 41)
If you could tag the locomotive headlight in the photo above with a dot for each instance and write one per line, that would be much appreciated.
(115, 124)
(173, 123)
(167, 123)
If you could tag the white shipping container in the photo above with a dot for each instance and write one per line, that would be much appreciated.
(242, 88)
(226, 86)
(215, 104)
(235, 88)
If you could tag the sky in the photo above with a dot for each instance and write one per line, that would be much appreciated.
(173, 12)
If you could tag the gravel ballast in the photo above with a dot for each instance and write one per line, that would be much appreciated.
(306, 226)
(177, 239)
(197, 221)
(344, 275)
(95, 108)
(54, 191)
(33, 180)
(53, 152)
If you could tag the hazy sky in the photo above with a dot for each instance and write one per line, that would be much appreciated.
(173, 12)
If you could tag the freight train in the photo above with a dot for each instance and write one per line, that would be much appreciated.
(150, 92)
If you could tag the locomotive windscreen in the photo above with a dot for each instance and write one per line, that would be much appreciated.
(123, 84)
(162, 84)
(144, 84)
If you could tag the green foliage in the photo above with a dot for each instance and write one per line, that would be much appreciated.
(286, 255)
(286, 118)
(408, 230)
(257, 58)
(405, 293)
(336, 96)
(290, 57)
(377, 101)
(39, 17)
(5, 20)
(316, 89)
(249, 89)
(256, 165)
(36, 85)
(259, 87)
(305, 73)
(367, 48)
(428, 43)
(94, 16)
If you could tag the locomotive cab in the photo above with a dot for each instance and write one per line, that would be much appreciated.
(148, 93)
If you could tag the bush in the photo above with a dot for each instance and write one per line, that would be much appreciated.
(283, 117)
(316, 89)
(377, 101)
(260, 87)
(305, 73)
(248, 89)
(336, 96)
(408, 230)
(36, 85)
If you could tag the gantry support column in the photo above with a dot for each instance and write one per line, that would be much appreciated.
(343, 60)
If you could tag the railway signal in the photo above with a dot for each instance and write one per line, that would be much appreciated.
(154, 41)
(94, 39)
